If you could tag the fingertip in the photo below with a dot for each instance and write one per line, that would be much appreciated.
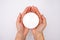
(26, 10)
(34, 7)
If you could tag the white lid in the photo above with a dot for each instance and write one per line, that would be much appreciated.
(30, 20)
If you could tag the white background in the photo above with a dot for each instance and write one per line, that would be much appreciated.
(9, 10)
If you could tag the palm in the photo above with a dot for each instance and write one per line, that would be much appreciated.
(20, 26)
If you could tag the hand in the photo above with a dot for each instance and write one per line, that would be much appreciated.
(38, 31)
(22, 31)
(42, 23)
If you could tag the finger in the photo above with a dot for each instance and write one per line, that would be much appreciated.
(40, 19)
(44, 20)
(26, 10)
(35, 10)
(19, 18)
(19, 23)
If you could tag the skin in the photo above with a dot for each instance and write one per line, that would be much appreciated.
(22, 31)
(37, 32)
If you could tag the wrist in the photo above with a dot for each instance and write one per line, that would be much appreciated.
(38, 36)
